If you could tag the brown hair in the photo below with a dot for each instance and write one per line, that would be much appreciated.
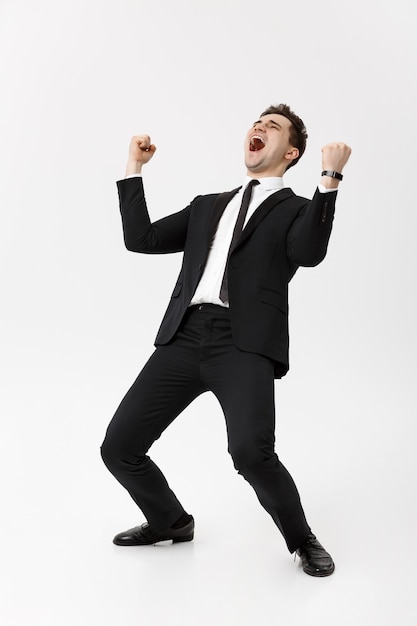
(298, 131)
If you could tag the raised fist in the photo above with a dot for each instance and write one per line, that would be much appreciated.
(335, 156)
(141, 149)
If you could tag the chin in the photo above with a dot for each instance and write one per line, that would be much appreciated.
(252, 163)
(254, 167)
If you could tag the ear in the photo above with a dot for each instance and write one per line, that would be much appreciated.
(291, 154)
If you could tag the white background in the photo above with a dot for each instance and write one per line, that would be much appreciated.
(79, 313)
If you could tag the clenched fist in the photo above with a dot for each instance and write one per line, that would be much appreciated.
(141, 150)
(335, 156)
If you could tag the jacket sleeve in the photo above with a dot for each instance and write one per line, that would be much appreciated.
(309, 234)
(140, 235)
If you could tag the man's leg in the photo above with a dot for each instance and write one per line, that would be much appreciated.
(247, 398)
(244, 384)
(167, 384)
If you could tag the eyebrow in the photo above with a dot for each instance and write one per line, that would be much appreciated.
(269, 122)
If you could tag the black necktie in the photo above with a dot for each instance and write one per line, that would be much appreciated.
(224, 293)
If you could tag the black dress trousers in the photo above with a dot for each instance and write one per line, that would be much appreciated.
(202, 357)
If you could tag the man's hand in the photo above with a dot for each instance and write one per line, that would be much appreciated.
(334, 158)
(141, 150)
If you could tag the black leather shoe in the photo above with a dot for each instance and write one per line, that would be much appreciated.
(144, 535)
(314, 558)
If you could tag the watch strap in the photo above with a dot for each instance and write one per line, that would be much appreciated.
(332, 174)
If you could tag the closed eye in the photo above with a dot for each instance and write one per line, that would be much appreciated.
(269, 124)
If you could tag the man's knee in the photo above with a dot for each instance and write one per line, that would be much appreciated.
(249, 459)
(118, 454)
(109, 454)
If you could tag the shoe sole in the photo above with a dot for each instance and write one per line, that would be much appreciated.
(153, 543)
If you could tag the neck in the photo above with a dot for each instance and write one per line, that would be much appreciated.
(276, 174)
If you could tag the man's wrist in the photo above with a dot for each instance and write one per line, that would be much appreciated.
(329, 183)
(133, 167)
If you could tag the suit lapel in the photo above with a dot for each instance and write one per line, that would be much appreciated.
(218, 210)
(263, 209)
(267, 205)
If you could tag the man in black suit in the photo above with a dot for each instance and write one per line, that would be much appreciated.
(226, 326)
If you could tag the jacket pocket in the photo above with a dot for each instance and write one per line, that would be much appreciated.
(276, 298)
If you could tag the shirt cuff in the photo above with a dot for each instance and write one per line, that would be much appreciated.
(134, 176)
(324, 189)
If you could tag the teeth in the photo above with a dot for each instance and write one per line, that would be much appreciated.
(257, 137)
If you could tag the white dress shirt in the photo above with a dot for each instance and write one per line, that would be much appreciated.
(208, 289)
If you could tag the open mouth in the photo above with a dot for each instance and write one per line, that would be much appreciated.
(256, 143)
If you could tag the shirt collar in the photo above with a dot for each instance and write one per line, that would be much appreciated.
(268, 183)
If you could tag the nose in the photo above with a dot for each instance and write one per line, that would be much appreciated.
(259, 126)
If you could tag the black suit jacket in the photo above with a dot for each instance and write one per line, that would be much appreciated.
(284, 232)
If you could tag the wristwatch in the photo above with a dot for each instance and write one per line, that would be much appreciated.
(332, 174)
